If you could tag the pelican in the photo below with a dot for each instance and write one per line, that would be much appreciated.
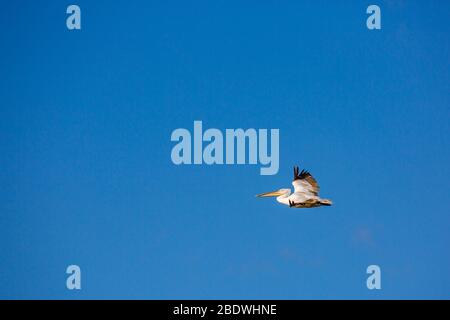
(306, 192)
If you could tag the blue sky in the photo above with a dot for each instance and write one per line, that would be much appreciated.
(87, 178)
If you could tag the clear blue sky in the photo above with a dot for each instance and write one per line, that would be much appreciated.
(86, 176)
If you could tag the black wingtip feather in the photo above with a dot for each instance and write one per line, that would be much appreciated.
(302, 175)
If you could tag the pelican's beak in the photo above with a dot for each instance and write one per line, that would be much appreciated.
(270, 194)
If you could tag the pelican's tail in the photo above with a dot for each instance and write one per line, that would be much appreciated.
(325, 202)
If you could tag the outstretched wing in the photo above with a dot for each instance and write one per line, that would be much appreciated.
(304, 182)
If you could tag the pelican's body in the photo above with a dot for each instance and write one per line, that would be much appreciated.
(306, 192)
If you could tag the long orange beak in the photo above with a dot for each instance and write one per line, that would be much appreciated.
(270, 194)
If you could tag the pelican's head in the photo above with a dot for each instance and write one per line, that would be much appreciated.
(277, 193)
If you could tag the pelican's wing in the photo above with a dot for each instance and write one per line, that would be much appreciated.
(304, 182)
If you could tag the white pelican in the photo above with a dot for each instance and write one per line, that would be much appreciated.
(306, 192)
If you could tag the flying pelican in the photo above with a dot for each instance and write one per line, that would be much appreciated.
(306, 192)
